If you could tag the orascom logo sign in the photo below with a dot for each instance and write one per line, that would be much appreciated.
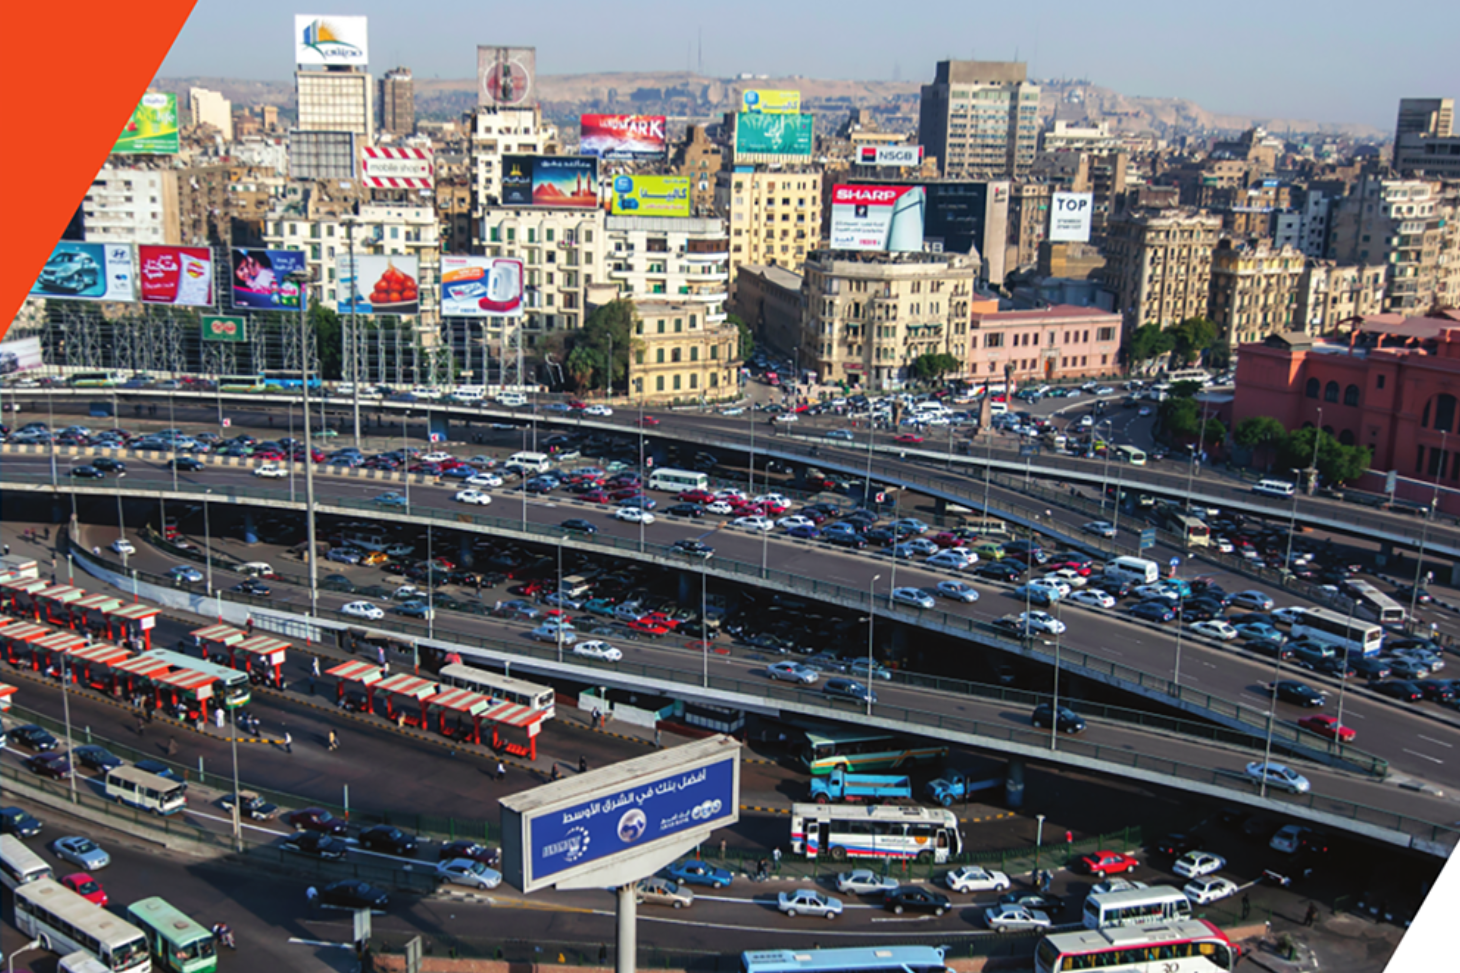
(330, 40)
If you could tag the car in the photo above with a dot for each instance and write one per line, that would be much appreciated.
(1152, 611)
(1297, 693)
(975, 878)
(343, 555)
(466, 848)
(1046, 902)
(1277, 775)
(315, 819)
(915, 898)
(693, 548)
(598, 649)
(1369, 667)
(1116, 885)
(953, 560)
(87, 473)
(908, 439)
(1248, 630)
(685, 509)
(552, 631)
(316, 845)
(185, 574)
(845, 435)
(53, 765)
(808, 902)
(363, 609)
(94, 757)
(354, 894)
(1107, 863)
(1069, 720)
(792, 672)
(468, 872)
(1400, 689)
(183, 464)
(864, 881)
(1328, 726)
(1254, 600)
(391, 499)
(1100, 528)
(19, 823)
(250, 805)
(1037, 621)
(697, 872)
(87, 887)
(1289, 615)
(1216, 629)
(270, 471)
(1177, 844)
(122, 546)
(661, 891)
(648, 421)
(957, 590)
(414, 609)
(1195, 864)
(756, 523)
(81, 852)
(34, 737)
(1208, 889)
(1093, 597)
(1288, 839)
(1010, 916)
(849, 689)
(388, 839)
(578, 525)
(472, 495)
(633, 515)
(916, 597)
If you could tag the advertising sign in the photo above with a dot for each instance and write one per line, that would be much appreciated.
(481, 287)
(890, 155)
(786, 135)
(877, 218)
(391, 168)
(1069, 217)
(321, 155)
(623, 136)
(330, 40)
(650, 196)
(550, 180)
(260, 279)
(88, 272)
(20, 355)
(770, 102)
(507, 76)
(382, 285)
(152, 128)
(181, 276)
(230, 329)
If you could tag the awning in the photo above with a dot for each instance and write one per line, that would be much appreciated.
(356, 671)
(198, 683)
(63, 594)
(405, 684)
(101, 602)
(60, 642)
(512, 714)
(224, 634)
(101, 652)
(261, 645)
(25, 632)
(25, 586)
(143, 665)
(145, 615)
(461, 701)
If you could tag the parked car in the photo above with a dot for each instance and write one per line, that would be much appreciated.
(1107, 863)
(468, 872)
(317, 845)
(315, 819)
(388, 839)
(354, 894)
(1208, 889)
(1195, 864)
(975, 878)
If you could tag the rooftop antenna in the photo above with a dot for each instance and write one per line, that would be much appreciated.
(701, 68)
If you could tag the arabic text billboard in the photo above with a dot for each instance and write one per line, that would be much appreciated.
(1069, 217)
(507, 76)
(623, 136)
(550, 180)
(784, 135)
(877, 218)
(770, 102)
(88, 272)
(650, 196)
(330, 40)
(260, 279)
(152, 128)
(181, 276)
(890, 155)
(481, 287)
(385, 285)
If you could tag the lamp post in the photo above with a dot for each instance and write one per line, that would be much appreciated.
(301, 280)
(430, 586)
(1038, 839)
(871, 615)
(354, 342)
(1271, 709)
(66, 710)
(561, 614)
(207, 542)
(1424, 535)
(867, 488)
(1293, 519)
(237, 798)
(705, 618)
(1343, 676)
(10, 961)
(1176, 677)
(1054, 709)
(1105, 474)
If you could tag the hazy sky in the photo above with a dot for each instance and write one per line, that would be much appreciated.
(1337, 61)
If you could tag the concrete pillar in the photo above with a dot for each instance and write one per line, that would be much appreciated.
(464, 552)
(940, 508)
(1014, 784)
(688, 593)
(626, 957)
(1385, 557)
(250, 532)
(1455, 574)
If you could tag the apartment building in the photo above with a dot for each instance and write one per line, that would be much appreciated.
(211, 108)
(1254, 291)
(1406, 225)
(684, 260)
(1331, 297)
(768, 300)
(980, 119)
(1159, 264)
(564, 251)
(1044, 344)
(679, 356)
(496, 132)
(1028, 223)
(132, 206)
(1433, 117)
(336, 100)
(223, 205)
(1086, 138)
(700, 159)
(774, 215)
(398, 103)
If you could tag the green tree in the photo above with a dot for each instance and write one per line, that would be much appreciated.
(1180, 417)
(1216, 431)
(582, 363)
(608, 325)
(1147, 342)
(1192, 337)
(1219, 356)
(1336, 462)
(747, 337)
(1184, 389)
(1259, 432)
(931, 366)
(329, 337)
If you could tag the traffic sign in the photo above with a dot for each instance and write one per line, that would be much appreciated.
(1148, 537)
(1175, 563)
(227, 423)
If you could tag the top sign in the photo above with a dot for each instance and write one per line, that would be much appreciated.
(890, 155)
(1069, 217)
(330, 40)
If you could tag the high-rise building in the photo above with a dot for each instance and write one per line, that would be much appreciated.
(1159, 264)
(132, 206)
(1406, 225)
(1330, 296)
(398, 103)
(677, 259)
(564, 251)
(1028, 223)
(211, 108)
(700, 159)
(980, 118)
(1254, 291)
(1425, 116)
(775, 216)
(497, 132)
(336, 100)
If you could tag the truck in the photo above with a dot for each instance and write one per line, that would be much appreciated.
(957, 785)
(842, 786)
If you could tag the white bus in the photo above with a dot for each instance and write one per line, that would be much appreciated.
(64, 922)
(1193, 530)
(678, 481)
(1195, 946)
(1349, 635)
(1131, 455)
(1136, 570)
(843, 831)
(1188, 375)
(19, 865)
(539, 698)
(137, 788)
(1373, 604)
(531, 462)
(1274, 488)
(1136, 907)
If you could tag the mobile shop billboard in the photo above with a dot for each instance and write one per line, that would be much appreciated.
(481, 287)
(550, 180)
(1069, 217)
(20, 355)
(623, 136)
(180, 276)
(757, 134)
(877, 218)
(87, 272)
(890, 155)
(650, 196)
(507, 76)
(384, 285)
(152, 128)
(770, 102)
(397, 168)
(261, 279)
(330, 40)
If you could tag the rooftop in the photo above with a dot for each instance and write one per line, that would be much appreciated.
(1057, 312)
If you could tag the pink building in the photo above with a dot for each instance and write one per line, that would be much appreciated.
(1047, 344)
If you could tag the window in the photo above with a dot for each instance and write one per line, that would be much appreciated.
(639, 327)
(676, 382)
(659, 356)
(1351, 395)
(694, 381)
(1444, 413)
(694, 353)
(550, 233)
(1105, 334)
(674, 355)
(661, 327)
(1379, 381)
(1346, 437)
(678, 325)
(659, 383)
(1311, 388)
(638, 358)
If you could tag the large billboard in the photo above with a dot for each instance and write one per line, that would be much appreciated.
(550, 180)
(261, 279)
(88, 272)
(481, 287)
(623, 136)
(20, 355)
(783, 135)
(180, 276)
(384, 284)
(507, 76)
(1069, 217)
(322, 155)
(152, 128)
(770, 102)
(890, 155)
(397, 168)
(233, 330)
(650, 196)
(330, 41)
(877, 218)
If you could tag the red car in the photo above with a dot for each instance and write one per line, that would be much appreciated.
(624, 493)
(1328, 726)
(1079, 567)
(529, 589)
(910, 438)
(648, 421)
(1105, 863)
(697, 496)
(646, 626)
(86, 887)
(661, 619)
(945, 539)
(576, 404)
(466, 848)
(315, 819)
(594, 496)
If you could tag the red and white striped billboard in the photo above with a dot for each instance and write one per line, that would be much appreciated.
(392, 168)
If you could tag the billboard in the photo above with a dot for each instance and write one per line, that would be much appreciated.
(180, 276)
(87, 272)
(890, 155)
(481, 287)
(391, 168)
(650, 196)
(20, 355)
(877, 218)
(260, 279)
(770, 102)
(385, 284)
(322, 155)
(330, 41)
(623, 136)
(152, 128)
(1069, 217)
(785, 135)
(507, 76)
(550, 180)
(230, 329)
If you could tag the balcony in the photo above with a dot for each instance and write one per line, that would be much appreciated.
(711, 256)
(621, 273)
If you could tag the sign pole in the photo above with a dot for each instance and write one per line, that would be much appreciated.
(627, 947)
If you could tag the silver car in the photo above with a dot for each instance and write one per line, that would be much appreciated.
(864, 881)
(82, 852)
(1005, 918)
(661, 891)
(468, 872)
(792, 672)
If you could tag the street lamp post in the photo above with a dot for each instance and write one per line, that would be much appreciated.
(1176, 677)
(354, 343)
(301, 280)
(1424, 535)
(1038, 839)
(1271, 709)
(10, 961)
(1105, 474)
(561, 614)
(237, 799)
(1293, 519)
(207, 542)
(66, 710)
(871, 615)
(1054, 709)
(705, 618)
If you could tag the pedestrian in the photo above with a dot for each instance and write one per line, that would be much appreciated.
(171, 746)
(1069, 837)
(501, 771)
(582, 765)
(658, 743)
(7, 550)
(1312, 914)
(314, 665)
(248, 626)
(555, 770)
(776, 855)
(334, 740)
(311, 896)
(96, 551)
(218, 717)
(1246, 906)
(288, 742)
(722, 849)
(597, 718)
(46, 535)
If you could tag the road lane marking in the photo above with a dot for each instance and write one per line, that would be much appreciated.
(1424, 756)
(1433, 740)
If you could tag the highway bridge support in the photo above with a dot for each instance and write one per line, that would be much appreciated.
(1014, 784)
(250, 531)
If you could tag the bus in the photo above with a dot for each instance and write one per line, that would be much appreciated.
(289, 381)
(1188, 375)
(231, 687)
(96, 380)
(1373, 604)
(876, 959)
(241, 383)
(1192, 530)
(64, 922)
(538, 698)
(138, 788)
(1348, 634)
(1136, 907)
(678, 481)
(177, 942)
(19, 865)
(1195, 946)
(1131, 455)
(843, 831)
(859, 751)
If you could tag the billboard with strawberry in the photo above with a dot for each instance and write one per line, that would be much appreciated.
(378, 285)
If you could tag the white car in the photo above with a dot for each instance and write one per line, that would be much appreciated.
(436, 457)
(468, 872)
(864, 881)
(958, 591)
(633, 515)
(1037, 621)
(1208, 889)
(483, 480)
(730, 494)
(1289, 615)
(916, 597)
(1100, 528)
(598, 410)
(720, 507)
(1010, 916)
(363, 609)
(1067, 576)
(1277, 775)
(974, 878)
(1059, 586)
(1216, 629)
(763, 524)
(472, 496)
(554, 632)
(794, 521)
(122, 546)
(808, 902)
(1288, 839)
(774, 498)
(1093, 597)
(1152, 591)
(1195, 864)
(272, 471)
(786, 417)
(953, 559)
(1116, 885)
(792, 672)
(598, 649)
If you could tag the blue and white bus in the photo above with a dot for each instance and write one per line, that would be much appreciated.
(874, 959)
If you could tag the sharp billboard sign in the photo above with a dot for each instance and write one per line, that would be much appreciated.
(877, 218)
(1069, 217)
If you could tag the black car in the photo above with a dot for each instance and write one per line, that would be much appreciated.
(33, 737)
(579, 525)
(1069, 720)
(1436, 690)
(342, 584)
(880, 535)
(108, 465)
(1271, 648)
(849, 689)
(843, 538)
(87, 473)
(1401, 689)
(317, 845)
(389, 839)
(162, 770)
(915, 898)
(1046, 902)
(685, 510)
(1176, 844)
(466, 848)
(354, 894)
(1370, 668)
(1152, 611)
(693, 548)
(1113, 587)
(1298, 693)
(998, 571)
(19, 823)
(252, 586)
(1202, 609)
(187, 464)
(52, 765)
(1307, 655)
(93, 757)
